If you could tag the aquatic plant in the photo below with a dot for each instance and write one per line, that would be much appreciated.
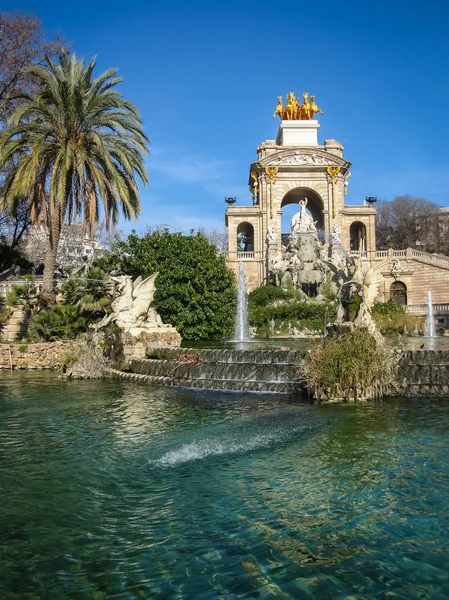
(352, 367)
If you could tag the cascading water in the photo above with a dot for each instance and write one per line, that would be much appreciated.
(430, 320)
(241, 332)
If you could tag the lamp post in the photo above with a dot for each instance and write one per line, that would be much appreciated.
(230, 201)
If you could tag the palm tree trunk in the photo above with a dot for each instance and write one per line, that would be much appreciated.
(48, 284)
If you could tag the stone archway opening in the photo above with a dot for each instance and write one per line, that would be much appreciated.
(398, 292)
(290, 206)
(245, 237)
(357, 236)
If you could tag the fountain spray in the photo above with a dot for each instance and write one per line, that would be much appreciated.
(241, 333)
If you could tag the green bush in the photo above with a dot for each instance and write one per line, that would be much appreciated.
(319, 312)
(25, 295)
(88, 292)
(266, 294)
(387, 308)
(351, 367)
(328, 289)
(400, 323)
(61, 323)
(195, 290)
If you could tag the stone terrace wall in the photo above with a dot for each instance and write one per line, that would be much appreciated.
(424, 373)
(45, 355)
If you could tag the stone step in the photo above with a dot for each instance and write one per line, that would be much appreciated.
(213, 384)
(220, 371)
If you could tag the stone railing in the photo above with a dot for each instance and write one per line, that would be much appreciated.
(421, 309)
(359, 253)
(245, 255)
(7, 285)
(437, 259)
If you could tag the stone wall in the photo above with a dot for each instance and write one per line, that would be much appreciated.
(44, 355)
(424, 373)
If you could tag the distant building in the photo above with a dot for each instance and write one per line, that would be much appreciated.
(74, 250)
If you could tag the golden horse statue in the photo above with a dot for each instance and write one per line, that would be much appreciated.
(290, 109)
(314, 108)
(280, 109)
(305, 108)
(293, 109)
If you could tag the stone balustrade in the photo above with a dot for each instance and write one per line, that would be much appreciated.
(7, 285)
(245, 255)
(359, 253)
(421, 309)
(437, 259)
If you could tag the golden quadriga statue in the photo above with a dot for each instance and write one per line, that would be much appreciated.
(294, 110)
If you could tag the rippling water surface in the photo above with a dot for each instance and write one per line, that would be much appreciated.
(114, 490)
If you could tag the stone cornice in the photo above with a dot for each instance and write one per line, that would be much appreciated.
(303, 157)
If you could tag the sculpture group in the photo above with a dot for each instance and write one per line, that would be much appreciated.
(294, 110)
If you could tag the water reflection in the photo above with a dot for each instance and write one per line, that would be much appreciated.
(117, 490)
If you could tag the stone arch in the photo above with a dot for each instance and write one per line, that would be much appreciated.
(398, 292)
(245, 237)
(357, 236)
(315, 204)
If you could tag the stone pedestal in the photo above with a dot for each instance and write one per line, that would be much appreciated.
(298, 133)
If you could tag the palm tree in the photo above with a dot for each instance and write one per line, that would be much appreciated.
(75, 146)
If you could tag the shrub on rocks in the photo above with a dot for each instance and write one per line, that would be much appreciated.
(352, 367)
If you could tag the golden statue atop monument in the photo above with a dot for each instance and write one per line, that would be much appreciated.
(294, 111)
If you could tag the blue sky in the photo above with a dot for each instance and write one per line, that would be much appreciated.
(206, 76)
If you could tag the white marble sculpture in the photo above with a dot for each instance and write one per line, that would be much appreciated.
(131, 306)
(271, 236)
(302, 222)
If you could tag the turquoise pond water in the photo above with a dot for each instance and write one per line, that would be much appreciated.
(115, 490)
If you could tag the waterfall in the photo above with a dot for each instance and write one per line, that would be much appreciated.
(429, 330)
(241, 333)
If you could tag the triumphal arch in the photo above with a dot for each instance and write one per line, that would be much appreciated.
(293, 169)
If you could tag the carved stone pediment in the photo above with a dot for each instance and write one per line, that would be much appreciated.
(304, 157)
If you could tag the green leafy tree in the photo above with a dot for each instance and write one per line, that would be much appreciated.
(195, 290)
(73, 146)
